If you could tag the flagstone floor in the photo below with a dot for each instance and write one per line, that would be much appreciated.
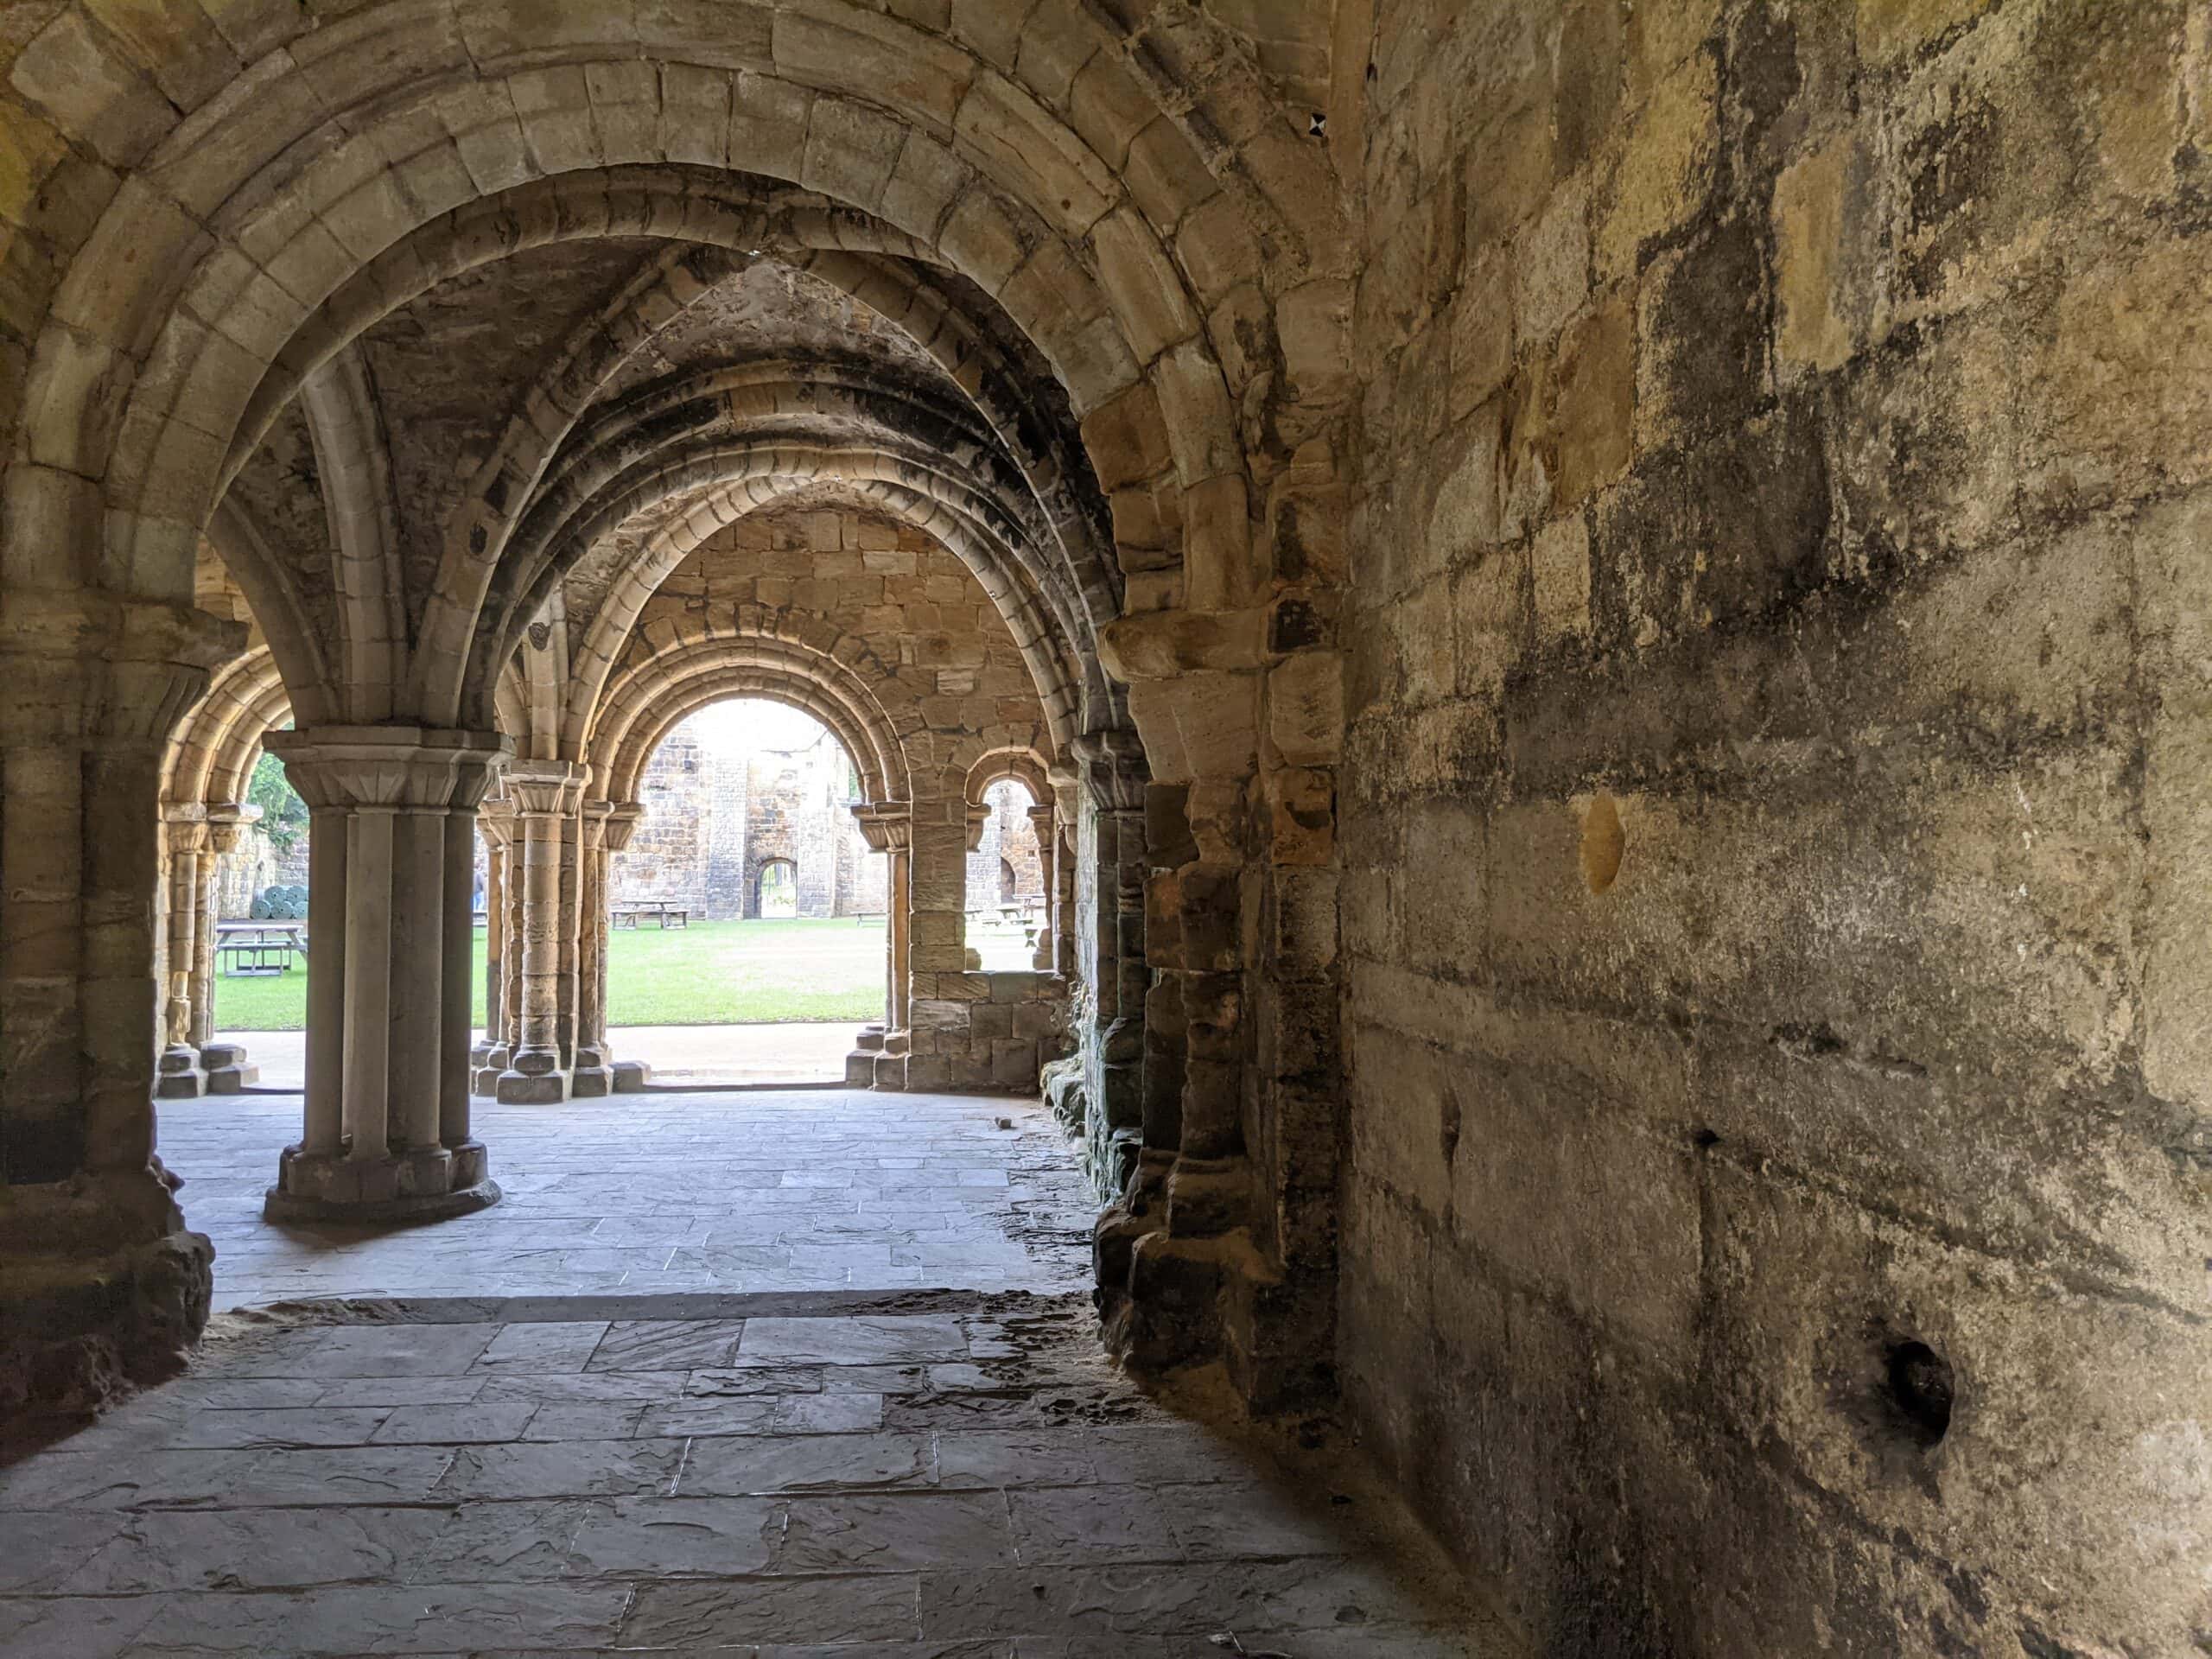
(932, 1476)
(754, 1191)
(803, 1376)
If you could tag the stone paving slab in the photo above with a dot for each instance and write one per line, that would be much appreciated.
(393, 1478)
(786, 1191)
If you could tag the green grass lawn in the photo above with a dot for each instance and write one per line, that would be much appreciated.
(707, 974)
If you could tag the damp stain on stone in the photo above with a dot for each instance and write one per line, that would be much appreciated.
(1603, 843)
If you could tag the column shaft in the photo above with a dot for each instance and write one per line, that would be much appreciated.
(326, 1045)
(540, 1036)
(368, 928)
(568, 994)
(495, 942)
(546, 797)
(203, 951)
(455, 973)
(183, 931)
(418, 991)
(901, 936)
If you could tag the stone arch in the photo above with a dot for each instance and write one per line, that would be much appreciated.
(351, 453)
(760, 880)
(293, 644)
(1025, 765)
(729, 485)
(214, 745)
(830, 675)
(747, 399)
(241, 749)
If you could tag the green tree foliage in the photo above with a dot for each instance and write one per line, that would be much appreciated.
(283, 814)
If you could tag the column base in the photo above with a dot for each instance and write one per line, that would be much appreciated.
(434, 1184)
(181, 1076)
(514, 1088)
(631, 1077)
(486, 1062)
(229, 1071)
(590, 1082)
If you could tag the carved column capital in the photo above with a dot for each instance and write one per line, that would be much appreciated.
(545, 789)
(396, 766)
(886, 826)
(622, 820)
(184, 826)
(1110, 764)
(226, 823)
(979, 818)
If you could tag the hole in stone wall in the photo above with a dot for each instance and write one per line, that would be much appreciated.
(1921, 1387)
(1602, 843)
(1317, 126)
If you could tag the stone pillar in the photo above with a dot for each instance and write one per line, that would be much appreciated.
(180, 1076)
(1045, 822)
(622, 818)
(545, 795)
(100, 1281)
(495, 822)
(592, 1075)
(568, 988)
(229, 1071)
(888, 828)
(381, 1140)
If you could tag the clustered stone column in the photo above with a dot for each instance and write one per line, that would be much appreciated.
(546, 796)
(878, 1060)
(191, 1062)
(1129, 1035)
(178, 1072)
(390, 948)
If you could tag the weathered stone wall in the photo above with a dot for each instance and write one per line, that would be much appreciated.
(668, 853)
(1778, 819)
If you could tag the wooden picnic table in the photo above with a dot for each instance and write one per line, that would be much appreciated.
(257, 949)
(666, 915)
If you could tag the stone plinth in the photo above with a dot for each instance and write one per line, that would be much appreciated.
(428, 1183)
(227, 1069)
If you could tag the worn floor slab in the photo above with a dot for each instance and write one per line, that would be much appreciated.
(936, 1476)
(798, 1191)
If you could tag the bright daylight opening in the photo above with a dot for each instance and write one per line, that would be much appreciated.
(748, 912)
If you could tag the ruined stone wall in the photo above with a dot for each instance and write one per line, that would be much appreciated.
(951, 667)
(715, 812)
(670, 851)
(1778, 819)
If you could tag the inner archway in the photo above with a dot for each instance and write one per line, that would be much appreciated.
(748, 917)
